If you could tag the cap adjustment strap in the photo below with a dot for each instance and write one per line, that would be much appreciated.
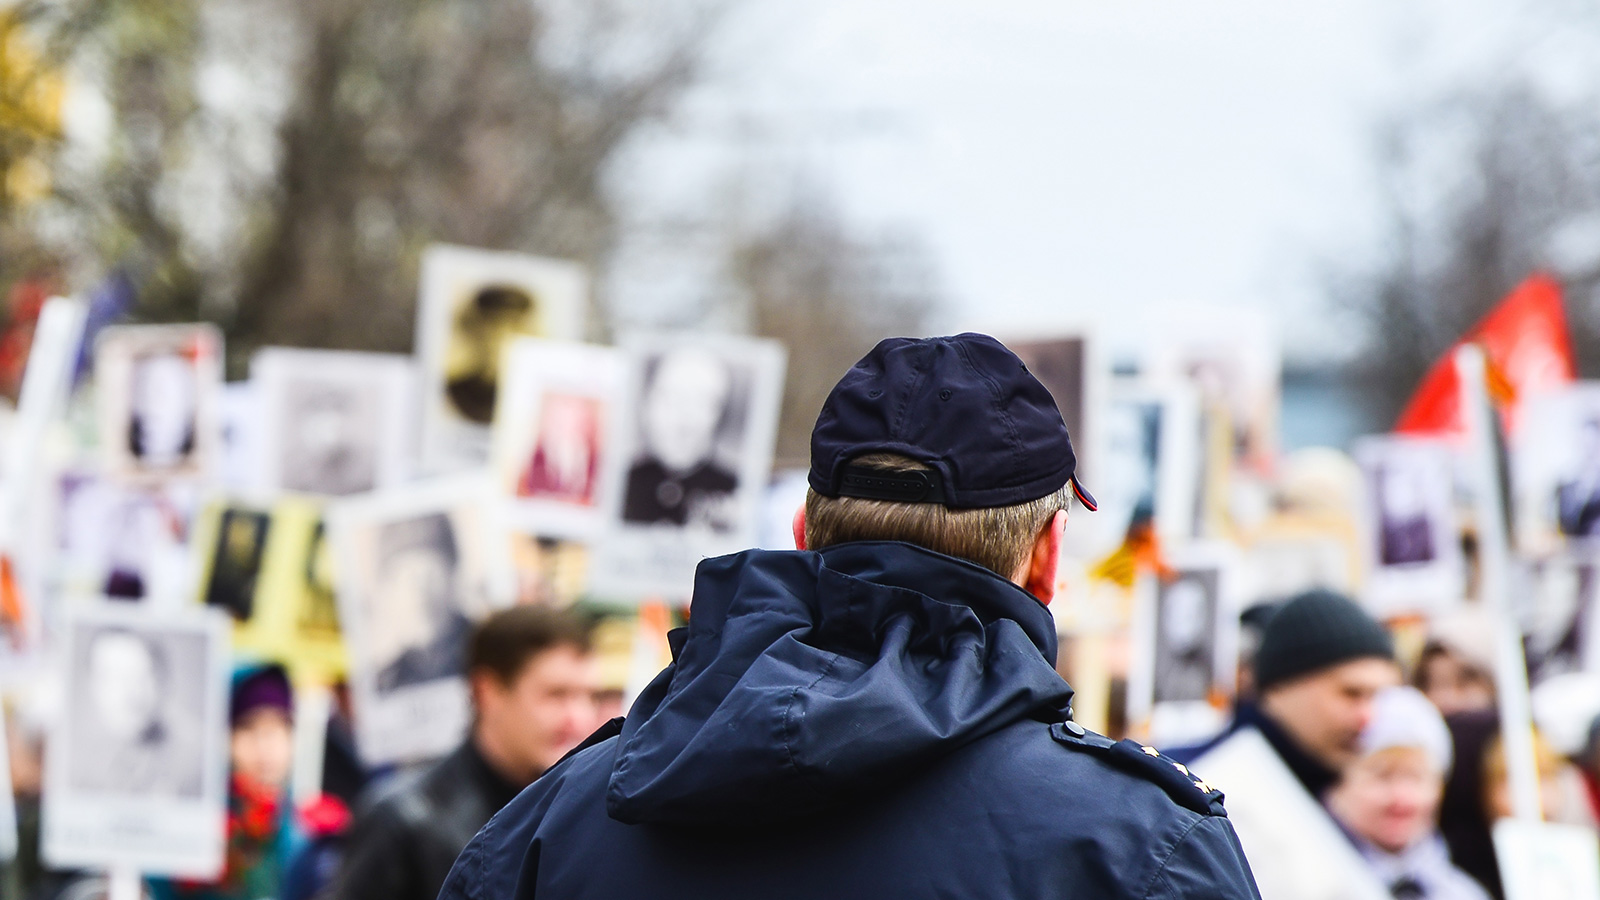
(870, 483)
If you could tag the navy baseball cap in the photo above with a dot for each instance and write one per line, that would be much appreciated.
(966, 406)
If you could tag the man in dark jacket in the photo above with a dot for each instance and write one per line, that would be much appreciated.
(532, 680)
(879, 716)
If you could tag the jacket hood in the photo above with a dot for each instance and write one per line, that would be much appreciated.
(805, 678)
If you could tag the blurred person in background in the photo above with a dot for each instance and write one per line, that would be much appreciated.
(1456, 667)
(532, 679)
(877, 713)
(1589, 767)
(1560, 798)
(1320, 664)
(1388, 800)
(265, 830)
(1463, 812)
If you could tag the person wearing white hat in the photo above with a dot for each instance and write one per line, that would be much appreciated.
(1388, 800)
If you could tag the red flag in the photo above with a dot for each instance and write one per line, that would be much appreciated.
(1528, 351)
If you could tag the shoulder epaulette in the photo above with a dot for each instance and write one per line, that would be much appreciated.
(1181, 785)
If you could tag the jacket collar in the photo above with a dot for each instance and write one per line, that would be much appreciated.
(951, 580)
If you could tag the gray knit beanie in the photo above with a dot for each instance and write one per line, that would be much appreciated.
(1314, 631)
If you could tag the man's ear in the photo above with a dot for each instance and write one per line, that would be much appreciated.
(799, 526)
(1040, 580)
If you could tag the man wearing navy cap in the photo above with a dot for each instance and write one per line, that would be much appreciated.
(877, 714)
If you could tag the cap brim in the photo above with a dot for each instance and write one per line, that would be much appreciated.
(1084, 497)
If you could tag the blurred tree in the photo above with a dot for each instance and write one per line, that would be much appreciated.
(829, 294)
(278, 165)
(1479, 190)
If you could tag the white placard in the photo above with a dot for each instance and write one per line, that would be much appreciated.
(1186, 629)
(1235, 361)
(560, 408)
(1543, 861)
(418, 566)
(332, 422)
(472, 303)
(1409, 544)
(1153, 453)
(45, 384)
(1556, 469)
(136, 771)
(696, 456)
(158, 391)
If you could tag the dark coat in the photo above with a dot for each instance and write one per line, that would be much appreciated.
(402, 847)
(875, 720)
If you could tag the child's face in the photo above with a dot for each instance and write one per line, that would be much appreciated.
(262, 747)
(1390, 798)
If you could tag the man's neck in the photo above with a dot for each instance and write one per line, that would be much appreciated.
(1308, 770)
(499, 762)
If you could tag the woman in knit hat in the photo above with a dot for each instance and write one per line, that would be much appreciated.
(1388, 800)
(265, 830)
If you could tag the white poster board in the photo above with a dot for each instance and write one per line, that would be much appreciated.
(694, 461)
(1186, 640)
(158, 391)
(1409, 546)
(333, 422)
(1555, 468)
(136, 773)
(560, 407)
(24, 494)
(1543, 861)
(1152, 460)
(472, 303)
(418, 567)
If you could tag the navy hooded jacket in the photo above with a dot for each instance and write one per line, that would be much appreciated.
(874, 720)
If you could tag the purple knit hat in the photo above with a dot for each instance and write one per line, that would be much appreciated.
(260, 686)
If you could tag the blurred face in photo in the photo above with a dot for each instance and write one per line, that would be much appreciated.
(163, 407)
(413, 598)
(1390, 797)
(1183, 627)
(1402, 496)
(1326, 711)
(683, 405)
(124, 685)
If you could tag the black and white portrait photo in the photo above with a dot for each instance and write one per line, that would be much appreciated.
(693, 458)
(690, 414)
(1410, 546)
(335, 423)
(1185, 642)
(1186, 624)
(137, 762)
(138, 712)
(163, 418)
(158, 389)
(1578, 494)
(474, 304)
(1559, 616)
(419, 578)
(329, 437)
(1151, 462)
(1405, 526)
(1555, 470)
(417, 567)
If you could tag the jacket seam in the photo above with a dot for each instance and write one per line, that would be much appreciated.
(788, 710)
(1162, 868)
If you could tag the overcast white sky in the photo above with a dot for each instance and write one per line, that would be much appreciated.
(1068, 160)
